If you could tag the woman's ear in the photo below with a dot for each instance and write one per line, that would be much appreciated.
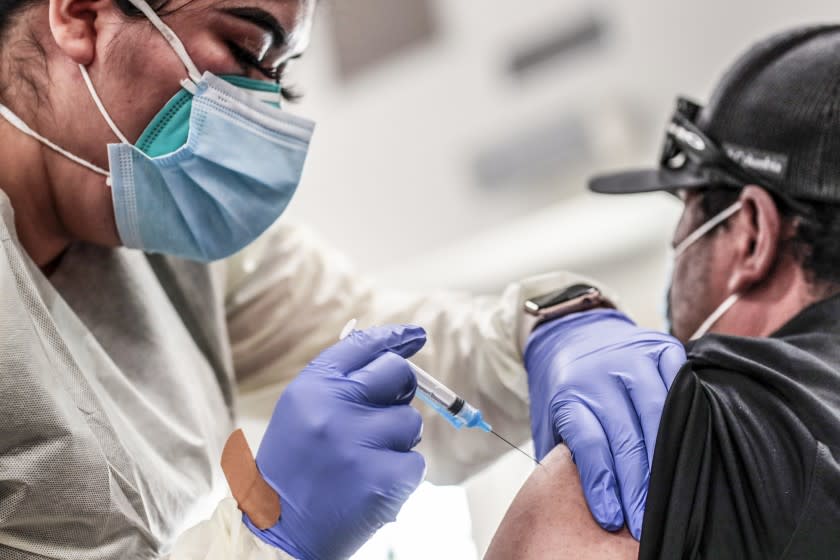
(73, 25)
(757, 231)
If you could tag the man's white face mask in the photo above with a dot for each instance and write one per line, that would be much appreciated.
(690, 240)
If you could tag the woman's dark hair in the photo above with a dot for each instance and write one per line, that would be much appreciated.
(816, 243)
(8, 10)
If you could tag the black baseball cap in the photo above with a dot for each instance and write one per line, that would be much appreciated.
(773, 121)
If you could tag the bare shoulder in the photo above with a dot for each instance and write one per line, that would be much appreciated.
(549, 519)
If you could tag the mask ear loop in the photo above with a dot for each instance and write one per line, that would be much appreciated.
(713, 318)
(706, 228)
(176, 45)
(101, 107)
(691, 239)
(188, 84)
(16, 122)
(174, 42)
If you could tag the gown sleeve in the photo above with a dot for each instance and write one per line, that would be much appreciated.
(289, 295)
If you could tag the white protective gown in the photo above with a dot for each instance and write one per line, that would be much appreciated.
(122, 375)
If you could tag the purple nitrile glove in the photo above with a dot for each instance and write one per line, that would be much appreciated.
(338, 448)
(598, 383)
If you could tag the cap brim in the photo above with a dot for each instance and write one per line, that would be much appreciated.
(646, 180)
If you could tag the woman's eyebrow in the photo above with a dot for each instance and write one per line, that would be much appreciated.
(262, 19)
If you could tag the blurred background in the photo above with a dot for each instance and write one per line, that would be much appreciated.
(454, 140)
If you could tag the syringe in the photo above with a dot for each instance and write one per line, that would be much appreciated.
(444, 400)
(456, 410)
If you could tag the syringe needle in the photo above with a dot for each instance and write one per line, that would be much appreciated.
(515, 447)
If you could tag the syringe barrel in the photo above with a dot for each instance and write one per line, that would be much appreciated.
(434, 389)
(456, 410)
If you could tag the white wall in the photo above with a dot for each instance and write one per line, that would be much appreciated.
(390, 173)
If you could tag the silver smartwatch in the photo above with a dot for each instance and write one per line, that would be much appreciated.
(559, 303)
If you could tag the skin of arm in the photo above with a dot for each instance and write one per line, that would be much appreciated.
(549, 518)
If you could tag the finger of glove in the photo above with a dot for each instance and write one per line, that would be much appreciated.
(389, 480)
(617, 414)
(542, 431)
(580, 430)
(362, 347)
(385, 381)
(647, 392)
(398, 428)
(408, 471)
(671, 362)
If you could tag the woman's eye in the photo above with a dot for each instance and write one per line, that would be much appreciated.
(248, 62)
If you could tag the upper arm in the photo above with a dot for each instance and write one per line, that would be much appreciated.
(549, 518)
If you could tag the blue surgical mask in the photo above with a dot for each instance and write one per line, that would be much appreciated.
(214, 195)
(169, 129)
(212, 171)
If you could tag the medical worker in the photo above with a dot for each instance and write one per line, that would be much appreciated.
(142, 147)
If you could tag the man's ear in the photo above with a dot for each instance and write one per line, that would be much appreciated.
(757, 229)
(73, 25)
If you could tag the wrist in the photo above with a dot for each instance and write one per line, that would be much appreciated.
(560, 331)
(568, 323)
(257, 500)
(275, 537)
(557, 304)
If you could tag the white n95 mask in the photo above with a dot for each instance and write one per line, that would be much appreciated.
(680, 249)
(213, 170)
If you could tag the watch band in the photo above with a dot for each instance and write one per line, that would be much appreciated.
(559, 303)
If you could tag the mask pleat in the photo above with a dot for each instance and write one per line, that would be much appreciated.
(203, 213)
(232, 196)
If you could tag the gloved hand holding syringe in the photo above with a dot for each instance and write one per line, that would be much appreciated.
(456, 410)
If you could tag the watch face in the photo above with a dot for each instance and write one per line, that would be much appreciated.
(560, 296)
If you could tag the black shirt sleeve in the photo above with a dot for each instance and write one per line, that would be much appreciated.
(737, 470)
